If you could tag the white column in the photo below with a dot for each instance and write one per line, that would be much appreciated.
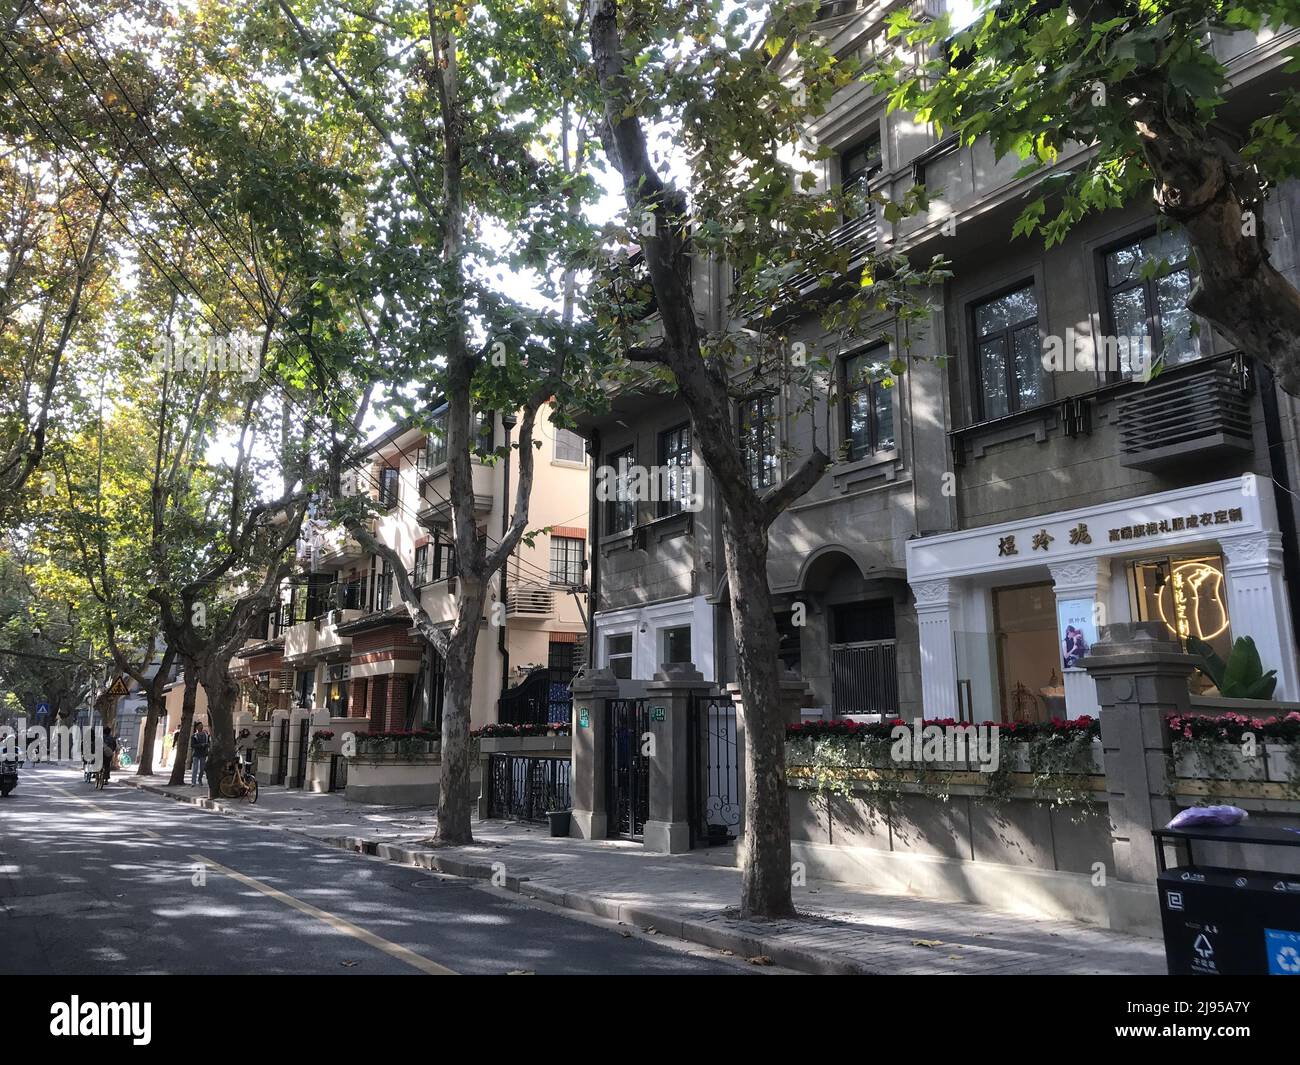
(935, 602)
(1087, 578)
(1257, 604)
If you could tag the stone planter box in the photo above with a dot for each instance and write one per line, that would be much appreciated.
(394, 780)
(265, 768)
(318, 773)
(510, 744)
(1278, 761)
(1230, 765)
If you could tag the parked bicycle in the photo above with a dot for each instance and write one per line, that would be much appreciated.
(238, 782)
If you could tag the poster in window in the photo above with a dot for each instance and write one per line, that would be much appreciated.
(1076, 619)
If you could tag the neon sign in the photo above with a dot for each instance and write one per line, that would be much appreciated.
(1191, 601)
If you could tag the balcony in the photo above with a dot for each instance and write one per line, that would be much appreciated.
(535, 602)
(1197, 414)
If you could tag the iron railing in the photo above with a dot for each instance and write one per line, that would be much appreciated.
(864, 678)
(525, 788)
(1187, 415)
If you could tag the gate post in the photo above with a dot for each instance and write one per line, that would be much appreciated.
(592, 690)
(669, 696)
(1141, 676)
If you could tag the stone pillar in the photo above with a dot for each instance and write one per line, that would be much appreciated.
(668, 698)
(1083, 579)
(592, 689)
(935, 603)
(1141, 676)
(1257, 605)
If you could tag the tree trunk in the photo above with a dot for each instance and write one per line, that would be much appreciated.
(455, 786)
(182, 749)
(765, 877)
(222, 692)
(156, 704)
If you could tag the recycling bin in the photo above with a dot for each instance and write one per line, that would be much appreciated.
(1228, 922)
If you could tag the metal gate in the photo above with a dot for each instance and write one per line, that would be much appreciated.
(525, 788)
(338, 772)
(713, 784)
(628, 781)
(864, 678)
(304, 737)
(282, 758)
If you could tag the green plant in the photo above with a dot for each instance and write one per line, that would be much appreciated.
(1242, 676)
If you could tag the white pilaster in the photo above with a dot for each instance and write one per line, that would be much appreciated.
(1084, 578)
(1257, 604)
(935, 602)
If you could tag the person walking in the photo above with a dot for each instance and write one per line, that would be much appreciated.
(199, 744)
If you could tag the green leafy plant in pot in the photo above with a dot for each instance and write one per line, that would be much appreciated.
(1242, 676)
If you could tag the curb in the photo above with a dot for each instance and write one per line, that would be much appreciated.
(703, 933)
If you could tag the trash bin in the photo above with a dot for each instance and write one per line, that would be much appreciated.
(1229, 922)
(559, 821)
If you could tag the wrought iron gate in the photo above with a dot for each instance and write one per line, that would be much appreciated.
(282, 758)
(304, 736)
(713, 784)
(526, 788)
(628, 780)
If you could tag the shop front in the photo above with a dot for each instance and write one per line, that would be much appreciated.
(1007, 612)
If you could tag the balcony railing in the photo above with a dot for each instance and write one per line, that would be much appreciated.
(1191, 414)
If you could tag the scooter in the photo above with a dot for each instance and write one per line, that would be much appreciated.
(8, 774)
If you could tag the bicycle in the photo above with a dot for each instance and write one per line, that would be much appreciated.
(125, 761)
(101, 776)
(238, 783)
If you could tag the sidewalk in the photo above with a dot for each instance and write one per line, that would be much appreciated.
(844, 930)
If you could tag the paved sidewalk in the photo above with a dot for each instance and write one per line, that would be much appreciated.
(843, 930)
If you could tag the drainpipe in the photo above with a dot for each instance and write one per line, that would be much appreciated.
(593, 556)
(508, 423)
(1285, 509)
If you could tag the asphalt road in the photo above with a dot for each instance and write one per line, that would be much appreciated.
(122, 881)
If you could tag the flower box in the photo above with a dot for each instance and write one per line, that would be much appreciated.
(1277, 758)
(1228, 763)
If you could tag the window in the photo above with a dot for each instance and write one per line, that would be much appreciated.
(1188, 595)
(758, 440)
(566, 560)
(675, 466)
(863, 622)
(305, 687)
(618, 655)
(569, 447)
(858, 166)
(444, 560)
(435, 447)
(388, 487)
(381, 584)
(482, 433)
(337, 691)
(676, 644)
(620, 511)
(1008, 354)
(1148, 282)
(868, 404)
(420, 572)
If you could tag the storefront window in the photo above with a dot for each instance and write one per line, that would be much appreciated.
(1029, 655)
(1188, 595)
(338, 690)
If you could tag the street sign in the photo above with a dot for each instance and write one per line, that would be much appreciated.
(42, 710)
(119, 688)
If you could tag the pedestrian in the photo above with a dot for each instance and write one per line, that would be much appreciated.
(199, 744)
(168, 741)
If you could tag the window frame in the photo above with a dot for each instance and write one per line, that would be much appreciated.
(555, 448)
(630, 654)
(751, 460)
(973, 306)
(670, 454)
(1154, 322)
(420, 566)
(847, 184)
(873, 387)
(568, 562)
(613, 507)
(390, 486)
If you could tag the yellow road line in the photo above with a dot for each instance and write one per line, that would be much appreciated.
(394, 950)
(99, 809)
